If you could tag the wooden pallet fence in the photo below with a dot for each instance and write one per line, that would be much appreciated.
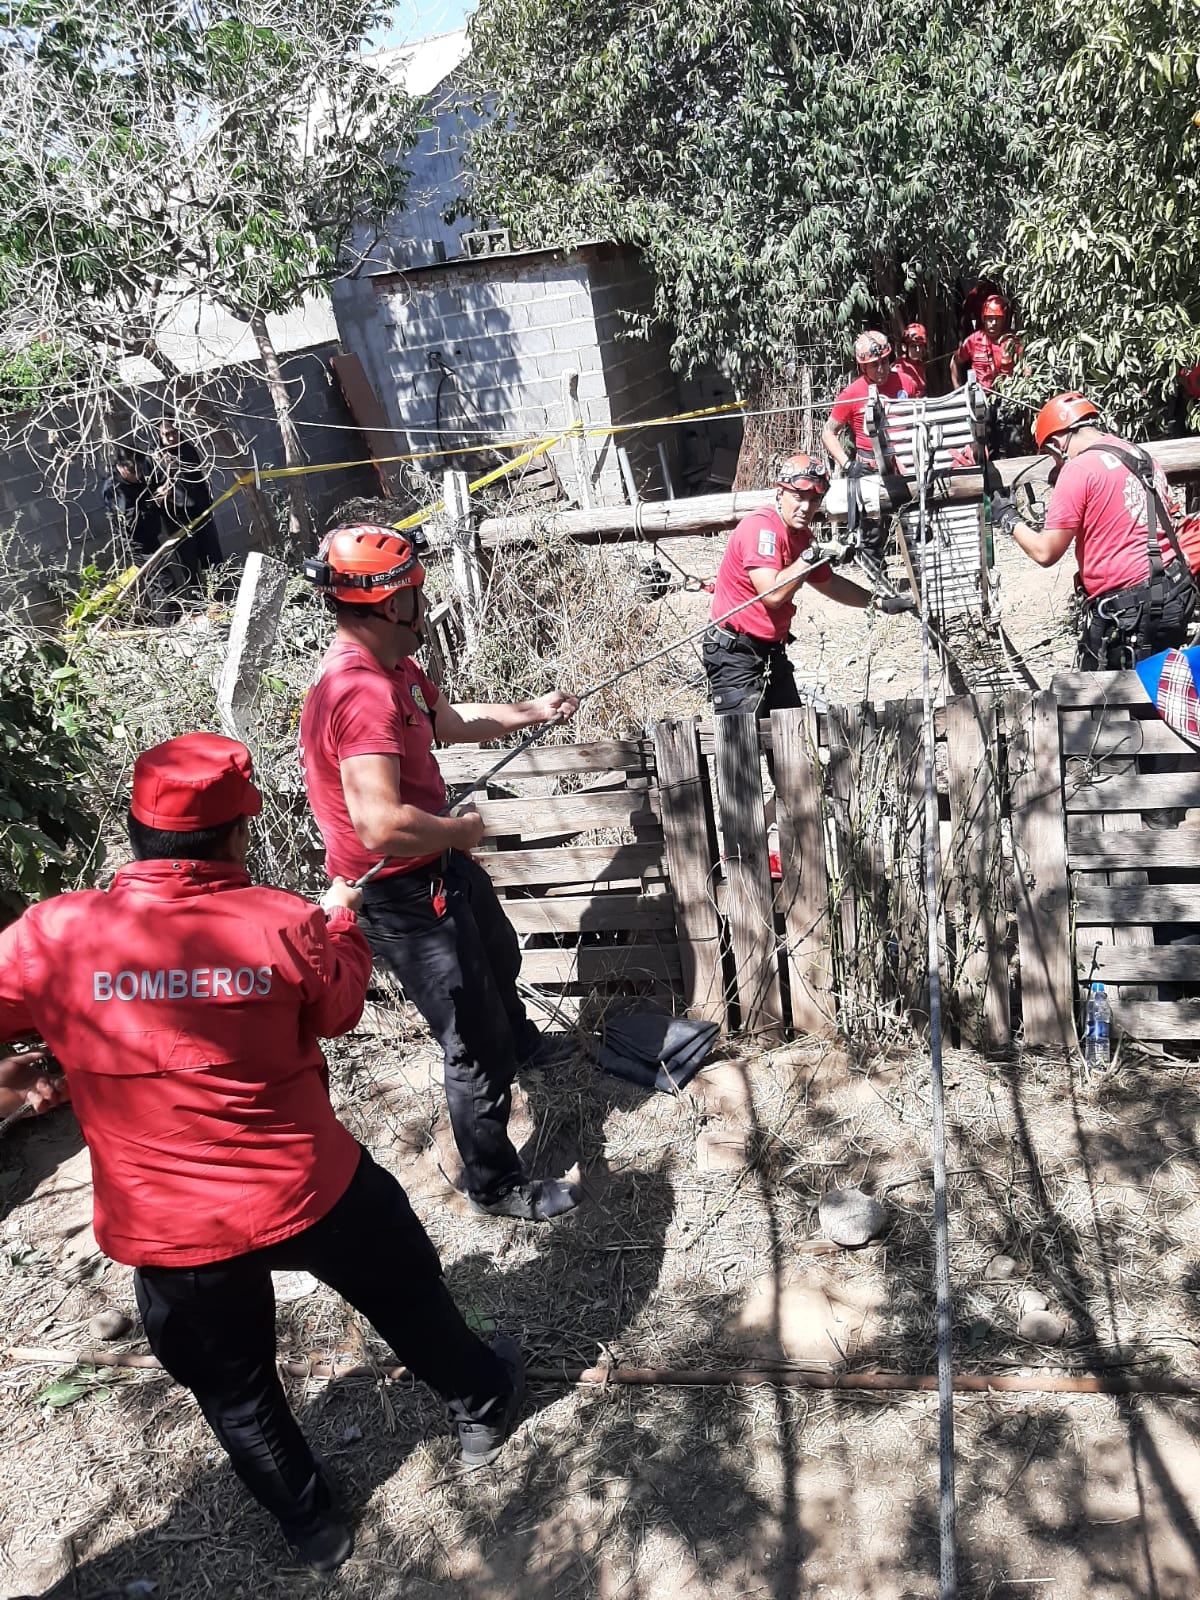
(1133, 854)
(642, 866)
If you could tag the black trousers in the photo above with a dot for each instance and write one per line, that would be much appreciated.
(213, 1329)
(441, 930)
(748, 674)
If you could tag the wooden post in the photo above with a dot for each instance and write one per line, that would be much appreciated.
(1040, 886)
(464, 553)
(251, 640)
(843, 731)
(977, 871)
(749, 904)
(804, 892)
(691, 848)
(580, 454)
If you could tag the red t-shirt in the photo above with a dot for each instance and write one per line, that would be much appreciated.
(912, 375)
(762, 539)
(988, 358)
(185, 1005)
(850, 406)
(356, 707)
(1100, 502)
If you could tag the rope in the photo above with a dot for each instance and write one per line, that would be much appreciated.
(948, 1559)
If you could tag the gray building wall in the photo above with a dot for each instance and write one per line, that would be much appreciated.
(64, 526)
(474, 348)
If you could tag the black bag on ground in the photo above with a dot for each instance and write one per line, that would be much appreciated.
(655, 1051)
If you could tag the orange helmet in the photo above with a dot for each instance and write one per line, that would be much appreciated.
(803, 475)
(365, 564)
(994, 306)
(1062, 415)
(915, 334)
(871, 346)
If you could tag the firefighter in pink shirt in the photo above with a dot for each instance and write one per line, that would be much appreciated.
(1109, 500)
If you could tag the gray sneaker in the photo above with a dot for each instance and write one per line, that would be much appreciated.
(483, 1441)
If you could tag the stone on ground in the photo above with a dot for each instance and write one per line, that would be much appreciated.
(999, 1269)
(1041, 1327)
(109, 1325)
(851, 1218)
(721, 1150)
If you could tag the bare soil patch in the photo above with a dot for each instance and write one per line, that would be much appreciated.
(1093, 1187)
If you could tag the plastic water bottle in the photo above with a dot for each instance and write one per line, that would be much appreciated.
(1097, 1030)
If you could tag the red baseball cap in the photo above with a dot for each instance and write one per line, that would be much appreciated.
(199, 780)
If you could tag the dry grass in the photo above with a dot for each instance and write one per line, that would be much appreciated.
(1092, 1187)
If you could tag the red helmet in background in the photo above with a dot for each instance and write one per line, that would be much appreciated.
(994, 306)
(365, 564)
(915, 334)
(802, 474)
(871, 346)
(1063, 414)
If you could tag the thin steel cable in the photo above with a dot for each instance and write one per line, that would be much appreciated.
(947, 1545)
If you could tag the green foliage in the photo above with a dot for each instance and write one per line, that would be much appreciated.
(48, 827)
(790, 169)
(1105, 244)
(37, 375)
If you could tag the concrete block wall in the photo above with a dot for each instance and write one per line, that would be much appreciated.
(479, 348)
(66, 527)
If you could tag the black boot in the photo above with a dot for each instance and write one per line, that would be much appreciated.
(536, 1200)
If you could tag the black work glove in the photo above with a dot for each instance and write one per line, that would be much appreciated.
(892, 605)
(1004, 513)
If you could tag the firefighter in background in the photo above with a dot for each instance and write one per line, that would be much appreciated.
(914, 352)
(873, 355)
(745, 656)
(1135, 592)
(184, 1005)
(991, 354)
(432, 916)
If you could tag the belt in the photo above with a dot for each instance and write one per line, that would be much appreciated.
(752, 639)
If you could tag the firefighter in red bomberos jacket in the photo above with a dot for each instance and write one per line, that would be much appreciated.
(184, 1005)
(432, 916)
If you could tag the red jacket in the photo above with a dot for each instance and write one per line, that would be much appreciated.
(185, 1006)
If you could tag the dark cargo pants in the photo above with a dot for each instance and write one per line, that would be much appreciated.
(213, 1329)
(441, 931)
(748, 674)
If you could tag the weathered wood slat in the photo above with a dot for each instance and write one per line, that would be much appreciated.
(1133, 964)
(804, 891)
(1124, 935)
(591, 913)
(461, 763)
(1153, 847)
(568, 813)
(690, 843)
(1145, 903)
(1040, 875)
(1136, 791)
(843, 724)
(1093, 691)
(594, 964)
(601, 863)
(747, 873)
(982, 918)
(1158, 1019)
(1122, 735)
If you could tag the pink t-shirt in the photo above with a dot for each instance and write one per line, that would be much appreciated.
(356, 707)
(850, 406)
(988, 358)
(1100, 502)
(762, 539)
(912, 376)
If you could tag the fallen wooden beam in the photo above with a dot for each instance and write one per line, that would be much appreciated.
(709, 513)
(782, 1377)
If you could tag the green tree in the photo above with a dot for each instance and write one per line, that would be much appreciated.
(790, 169)
(157, 156)
(1104, 246)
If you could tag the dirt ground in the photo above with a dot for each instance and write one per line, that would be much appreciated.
(110, 1485)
